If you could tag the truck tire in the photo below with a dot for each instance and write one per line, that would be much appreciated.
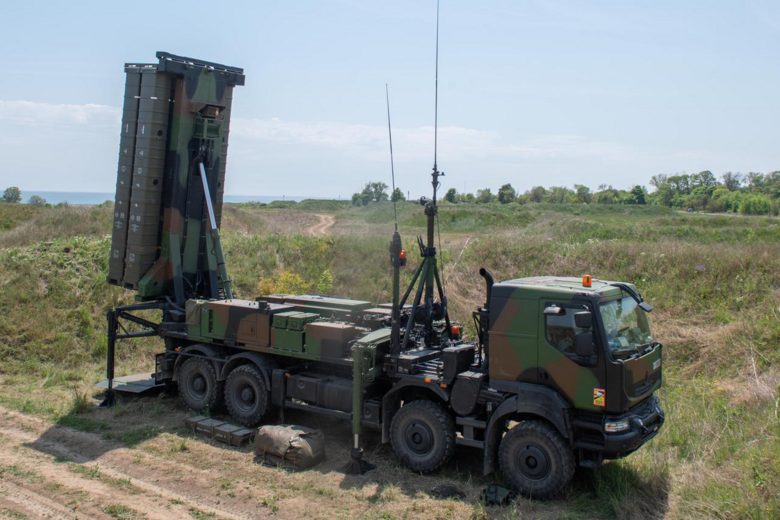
(246, 395)
(198, 385)
(423, 435)
(536, 460)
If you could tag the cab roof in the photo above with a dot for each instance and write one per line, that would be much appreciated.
(554, 285)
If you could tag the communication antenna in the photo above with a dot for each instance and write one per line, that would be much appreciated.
(392, 166)
(427, 279)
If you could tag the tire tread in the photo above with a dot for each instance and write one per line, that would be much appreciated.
(543, 429)
(445, 421)
(215, 396)
(233, 410)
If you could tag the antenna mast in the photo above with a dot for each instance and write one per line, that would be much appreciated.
(425, 310)
(397, 253)
(392, 166)
(436, 104)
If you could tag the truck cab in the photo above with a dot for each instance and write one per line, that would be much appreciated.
(584, 349)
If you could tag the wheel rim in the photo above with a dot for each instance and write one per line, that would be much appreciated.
(246, 396)
(533, 462)
(419, 438)
(198, 386)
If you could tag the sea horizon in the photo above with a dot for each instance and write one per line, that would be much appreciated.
(87, 198)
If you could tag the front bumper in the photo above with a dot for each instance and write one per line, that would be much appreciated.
(645, 421)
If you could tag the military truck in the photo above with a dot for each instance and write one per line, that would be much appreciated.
(561, 371)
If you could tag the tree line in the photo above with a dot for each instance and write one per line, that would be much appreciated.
(749, 194)
(13, 195)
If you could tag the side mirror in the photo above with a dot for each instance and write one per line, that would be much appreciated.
(646, 307)
(583, 320)
(583, 344)
(554, 310)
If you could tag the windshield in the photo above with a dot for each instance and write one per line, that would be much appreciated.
(626, 325)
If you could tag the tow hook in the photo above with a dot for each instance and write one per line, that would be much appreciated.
(639, 424)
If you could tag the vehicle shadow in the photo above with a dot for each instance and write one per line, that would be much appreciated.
(615, 489)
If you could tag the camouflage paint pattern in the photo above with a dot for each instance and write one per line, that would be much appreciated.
(519, 350)
(238, 321)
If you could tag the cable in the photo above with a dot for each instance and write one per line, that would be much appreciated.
(441, 251)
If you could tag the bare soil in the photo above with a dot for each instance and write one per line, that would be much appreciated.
(322, 227)
(51, 471)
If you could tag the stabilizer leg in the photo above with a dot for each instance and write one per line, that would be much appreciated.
(357, 466)
(111, 318)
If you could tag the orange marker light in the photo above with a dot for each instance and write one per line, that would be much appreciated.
(455, 330)
(428, 379)
(587, 280)
(443, 385)
(402, 254)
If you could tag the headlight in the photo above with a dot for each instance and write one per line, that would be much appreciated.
(616, 426)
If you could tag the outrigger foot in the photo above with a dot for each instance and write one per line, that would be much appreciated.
(108, 399)
(358, 466)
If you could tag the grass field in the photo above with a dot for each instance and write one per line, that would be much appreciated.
(714, 282)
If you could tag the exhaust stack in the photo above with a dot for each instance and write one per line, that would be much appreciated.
(484, 273)
(482, 320)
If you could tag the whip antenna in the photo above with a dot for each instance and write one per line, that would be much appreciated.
(436, 98)
(392, 167)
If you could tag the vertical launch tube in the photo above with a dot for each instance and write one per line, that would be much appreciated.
(124, 180)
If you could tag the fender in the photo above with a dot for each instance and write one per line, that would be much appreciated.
(202, 349)
(529, 399)
(388, 408)
(262, 361)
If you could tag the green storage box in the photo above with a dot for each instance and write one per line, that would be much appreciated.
(329, 339)
(299, 320)
(281, 319)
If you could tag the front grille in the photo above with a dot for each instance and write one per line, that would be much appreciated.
(644, 387)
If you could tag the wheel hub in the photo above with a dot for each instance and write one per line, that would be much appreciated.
(419, 438)
(533, 462)
(247, 395)
(199, 384)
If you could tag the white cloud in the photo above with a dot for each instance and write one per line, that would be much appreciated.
(411, 144)
(61, 116)
(38, 140)
(350, 140)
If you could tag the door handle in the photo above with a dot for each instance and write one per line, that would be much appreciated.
(543, 374)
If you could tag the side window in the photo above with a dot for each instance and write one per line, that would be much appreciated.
(560, 330)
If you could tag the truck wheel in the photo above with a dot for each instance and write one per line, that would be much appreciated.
(423, 435)
(536, 460)
(198, 385)
(246, 395)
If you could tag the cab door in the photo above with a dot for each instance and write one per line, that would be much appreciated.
(581, 380)
(513, 329)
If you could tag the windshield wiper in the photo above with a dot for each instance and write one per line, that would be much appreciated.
(635, 295)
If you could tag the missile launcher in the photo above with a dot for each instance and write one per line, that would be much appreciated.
(175, 122)
(572, 363)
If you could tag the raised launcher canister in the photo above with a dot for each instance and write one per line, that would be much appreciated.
(175, 118)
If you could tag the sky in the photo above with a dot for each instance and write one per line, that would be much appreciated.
(545, 92)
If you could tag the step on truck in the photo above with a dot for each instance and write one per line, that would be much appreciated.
(561, 371)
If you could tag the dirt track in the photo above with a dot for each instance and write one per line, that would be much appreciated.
(322, 228)
(62, 473)
(49, 471)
